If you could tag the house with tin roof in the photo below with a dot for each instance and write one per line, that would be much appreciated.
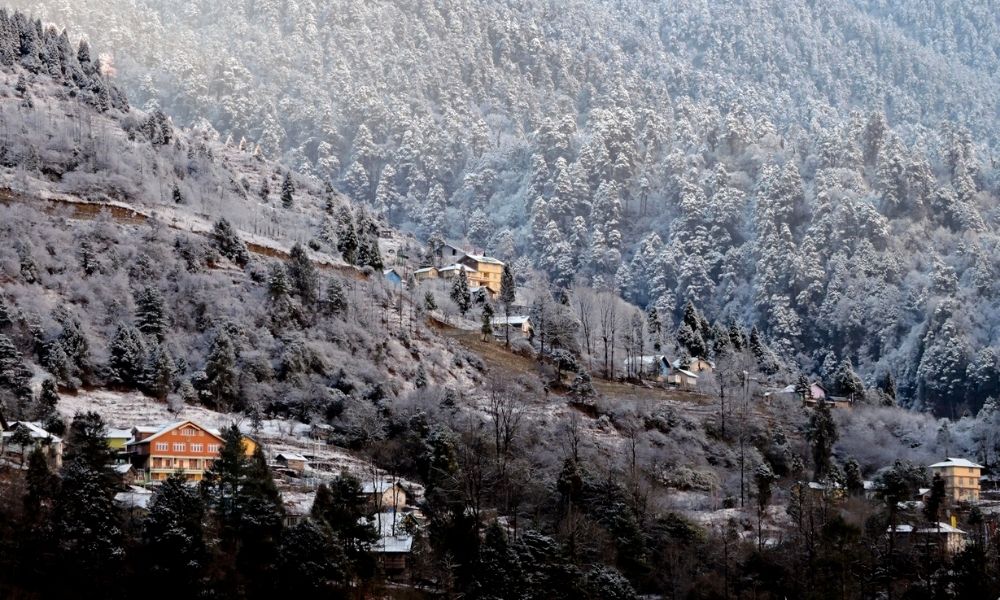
(961, 478)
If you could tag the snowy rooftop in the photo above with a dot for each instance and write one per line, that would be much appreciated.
(938, 528)
(392, 537)
(957, 462)
(34, 429)
(167, 428)
(377, 487)
(485, 259)
(513, 320)
(135, 497)
(457, 267)
(293, 456)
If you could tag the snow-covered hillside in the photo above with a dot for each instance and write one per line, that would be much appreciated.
(789, 165)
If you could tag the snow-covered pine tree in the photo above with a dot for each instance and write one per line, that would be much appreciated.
(347, 237)
(287, 191)
(85, 517)
(151, 313)
(229, 244)
(303, 275)
(460, 292)
(335, 302)
(14, 374)
(221, 376)
(127, 358)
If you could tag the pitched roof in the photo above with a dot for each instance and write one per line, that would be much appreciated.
(485, 259)
(168, 428)
(688, 373)
(512, 320)
(457, 267)
(392, 537)
(934, 528)
(291, 456)
(119, 434)
(134, 497)
(425, 270)
(377, 487)
(34, 429)
(957, 462)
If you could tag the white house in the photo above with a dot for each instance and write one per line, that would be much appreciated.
(683, 378)
(519, 323)
(26, 430)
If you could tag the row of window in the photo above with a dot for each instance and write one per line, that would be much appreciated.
(182, 463)
(183, 447)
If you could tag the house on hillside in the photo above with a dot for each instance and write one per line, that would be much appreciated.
(425, 273)
(384, 494)
(683, 378)
(814, 394)
(183, 447)
(831, 401)
(394, 545)
(786, 393)
(961, 478)
(934, 538)
(480, 294)
(694, 365)
(298, 505)
(126, 473)
(20, 439)
(450, 252)
(392, 277)
(486, 271)
(451, 271)
(520, 324)
(117, 438)
(651, 366)
(134, 502)
(291, 460)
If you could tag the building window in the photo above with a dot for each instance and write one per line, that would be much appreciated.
(197, 447)
(178, 446)
(213, 447)
(189, 431)
(162, 446)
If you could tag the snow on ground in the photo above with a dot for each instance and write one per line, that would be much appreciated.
(125, 410)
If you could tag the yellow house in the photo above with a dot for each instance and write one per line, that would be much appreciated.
(683, 378)
(961, 478)
(117, 438)
(384, 495)
(487, 271)
(249, 446)
(425, 273)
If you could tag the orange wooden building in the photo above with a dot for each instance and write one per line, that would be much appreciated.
(183, 447)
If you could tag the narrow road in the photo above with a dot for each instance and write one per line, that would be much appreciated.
(87, 210)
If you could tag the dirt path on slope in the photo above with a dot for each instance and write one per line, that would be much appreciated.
(86, 210)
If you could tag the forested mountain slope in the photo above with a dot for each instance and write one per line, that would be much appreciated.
(697, 150)
(194, 288)
(147, 266)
